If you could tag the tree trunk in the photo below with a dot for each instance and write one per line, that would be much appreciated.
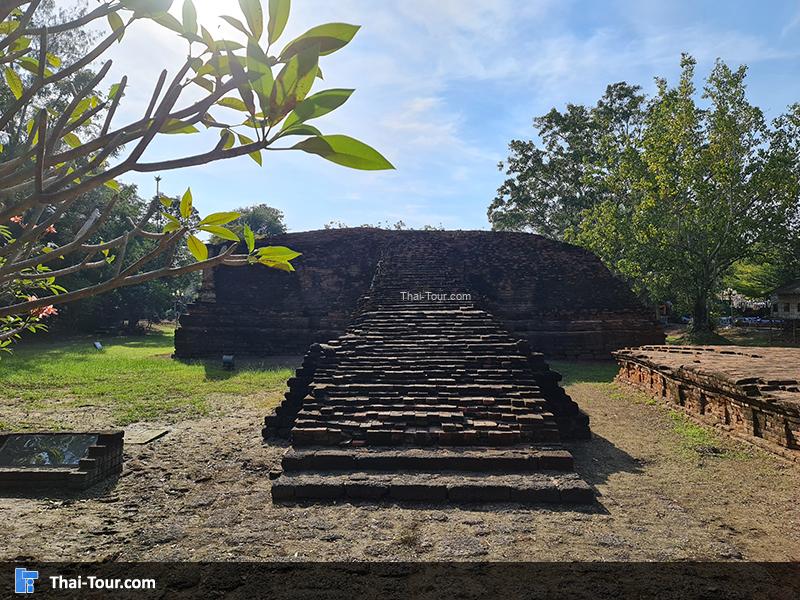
(701, 322)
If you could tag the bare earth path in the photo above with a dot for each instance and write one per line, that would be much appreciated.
(202, 493)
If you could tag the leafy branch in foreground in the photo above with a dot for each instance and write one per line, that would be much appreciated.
(69, 152)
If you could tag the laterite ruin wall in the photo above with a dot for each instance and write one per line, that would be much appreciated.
(752, 393)
(560, 297)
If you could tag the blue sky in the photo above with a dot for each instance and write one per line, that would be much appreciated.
(444, 85)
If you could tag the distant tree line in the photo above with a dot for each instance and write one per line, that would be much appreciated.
(681, 196)
(396, 226)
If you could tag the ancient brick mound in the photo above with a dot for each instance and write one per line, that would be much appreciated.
(750, 392)
(396, 407)
(558, 297)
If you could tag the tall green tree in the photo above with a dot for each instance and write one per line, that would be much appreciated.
(681, 192)
(551, 183)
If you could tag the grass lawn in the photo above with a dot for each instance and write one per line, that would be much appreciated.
(62, 384)
(737, 336)
(133, 379)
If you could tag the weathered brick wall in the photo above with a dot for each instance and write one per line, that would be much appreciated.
(103, 461)
(560, 297)
(714, 390)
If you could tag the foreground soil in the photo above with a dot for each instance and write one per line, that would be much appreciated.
(202, 493)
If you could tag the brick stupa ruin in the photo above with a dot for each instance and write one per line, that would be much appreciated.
(559, 297)
(419, 384)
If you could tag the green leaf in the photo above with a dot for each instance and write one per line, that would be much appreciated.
(283, 266)
(243, 139)
(147, 7)
(293, 83)
(237, 24)
(221, 232)
(174, 126)
(114, 90)
(81, 108)
(186, 204)
(117, 26)
(330, 37)
(245, 91)
(166, 202)
(20, 44)
(208, 39)
(278, 17)
(263, 87)
(7, 27)
(233, 103)
(346, 151)
(249, 238)
(29, 64)
(228, 137)
(167, 20)
(258, 62)
(220, 218)
(204, 83)
(254, 16)
(14, 82)
(189, 17)
(197, 248)
(278, 253)
(317, 105)
(256, 156)
(112, 185)
(172, 223)
(300, 129)
(260, 74)
(72, 140)
(54, 60)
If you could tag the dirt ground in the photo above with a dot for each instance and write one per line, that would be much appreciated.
(202, 493)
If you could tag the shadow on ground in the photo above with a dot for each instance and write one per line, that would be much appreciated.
(598, 458)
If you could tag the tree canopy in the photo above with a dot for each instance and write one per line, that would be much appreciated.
(65, 150)
(671, 194)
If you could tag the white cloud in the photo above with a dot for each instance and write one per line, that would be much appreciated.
(442, 85)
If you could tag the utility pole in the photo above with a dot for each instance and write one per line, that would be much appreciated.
(158, 186)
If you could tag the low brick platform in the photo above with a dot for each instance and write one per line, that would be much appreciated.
(102, 460)
(429, 376)
(753, 393)
(531, 488)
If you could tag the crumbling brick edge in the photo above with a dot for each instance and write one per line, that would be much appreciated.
(103, 461)
(709, 406)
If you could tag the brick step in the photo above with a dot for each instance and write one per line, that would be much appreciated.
(406, 379)
(430, 372)
(476, 362)
(382, 435)
(350, 405)
(510, 460)
(530, 488)
(433, 389)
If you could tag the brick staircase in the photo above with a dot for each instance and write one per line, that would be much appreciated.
(396, 406)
